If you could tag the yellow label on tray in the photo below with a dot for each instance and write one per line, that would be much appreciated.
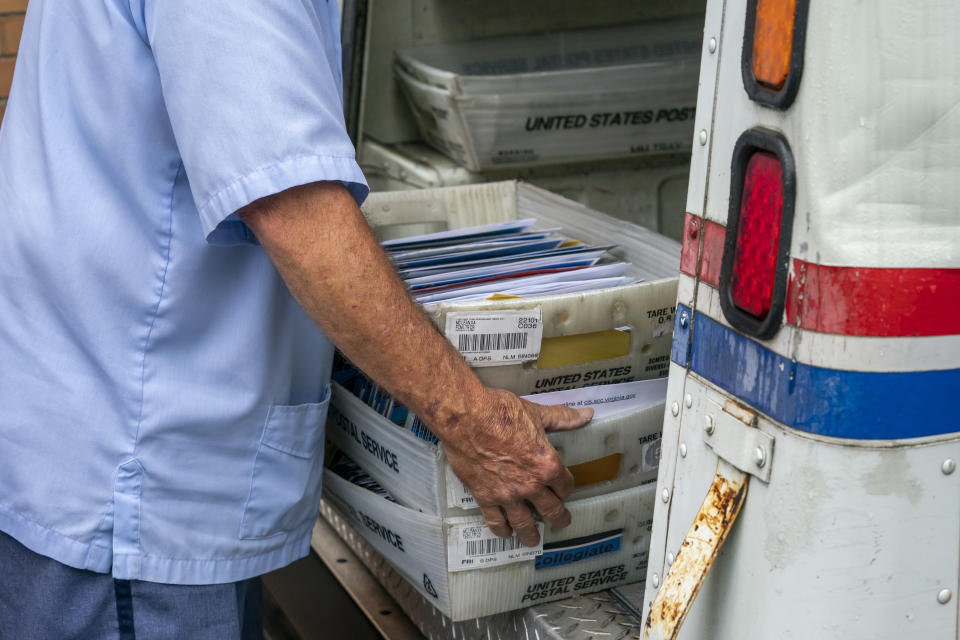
(585, 347)
(599, 470)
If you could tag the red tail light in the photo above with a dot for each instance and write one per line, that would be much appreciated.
(756, 247)
(758, 235)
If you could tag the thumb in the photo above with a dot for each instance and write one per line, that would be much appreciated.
(559, 417)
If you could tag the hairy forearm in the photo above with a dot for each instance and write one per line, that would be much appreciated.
(338, 273)
(324, 250)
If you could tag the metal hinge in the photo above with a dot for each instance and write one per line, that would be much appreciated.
(734, 437)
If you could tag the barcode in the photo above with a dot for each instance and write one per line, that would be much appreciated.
(422, 431)
(494, 545)
(472, 342)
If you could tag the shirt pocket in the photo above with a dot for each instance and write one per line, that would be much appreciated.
(285, 482)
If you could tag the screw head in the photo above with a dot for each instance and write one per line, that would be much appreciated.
(684, 320)
(708, 425)
(665, 495)
(655, 580)
(688, 400)
(703, 137)
(694, 228)
(759, 456)
(670, 558)
(683, 449)
(675, 409)
(712, 45)
(944, 596)
(949, 466)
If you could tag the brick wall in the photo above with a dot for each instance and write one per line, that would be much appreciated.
(11, 25)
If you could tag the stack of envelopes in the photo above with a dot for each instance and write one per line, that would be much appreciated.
(507, 259)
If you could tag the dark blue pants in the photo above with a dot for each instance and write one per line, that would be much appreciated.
(41, 599)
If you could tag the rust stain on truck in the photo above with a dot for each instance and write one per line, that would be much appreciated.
(697, 553)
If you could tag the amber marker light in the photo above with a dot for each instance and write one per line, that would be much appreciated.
(773, 45)
(772, 40)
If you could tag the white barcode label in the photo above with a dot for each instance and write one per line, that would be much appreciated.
(457, 493)
(475, 546)
(473, 342)
(488, 338)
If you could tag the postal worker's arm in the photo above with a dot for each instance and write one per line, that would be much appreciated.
(326, 253)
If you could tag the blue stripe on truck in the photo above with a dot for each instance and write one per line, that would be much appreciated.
(830, 402)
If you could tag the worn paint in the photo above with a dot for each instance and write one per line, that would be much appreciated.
(706, 263)
(795, 526)
(892, 476)
(697, 553)
(711, 257)
(689, 254)
(902, 302)
(741, 413)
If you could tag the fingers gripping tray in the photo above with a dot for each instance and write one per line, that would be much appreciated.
(575, 350)
(466, 573)
(612, 453)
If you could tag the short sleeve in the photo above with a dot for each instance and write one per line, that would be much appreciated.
(254, 95)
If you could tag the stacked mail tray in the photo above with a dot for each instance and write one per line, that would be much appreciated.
(466, 572)
(549, 98)
(642, 312)
(607, 455)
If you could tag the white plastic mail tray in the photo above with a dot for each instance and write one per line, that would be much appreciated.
(544, 99)
(638, 316)
(608, 454)
(465, 572)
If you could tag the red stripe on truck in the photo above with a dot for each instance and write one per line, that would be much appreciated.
(843, 300)
(712, 255)
(869, 301)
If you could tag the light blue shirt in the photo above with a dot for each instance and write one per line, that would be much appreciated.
(162, 396)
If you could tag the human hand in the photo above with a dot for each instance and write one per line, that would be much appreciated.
(503, 456)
